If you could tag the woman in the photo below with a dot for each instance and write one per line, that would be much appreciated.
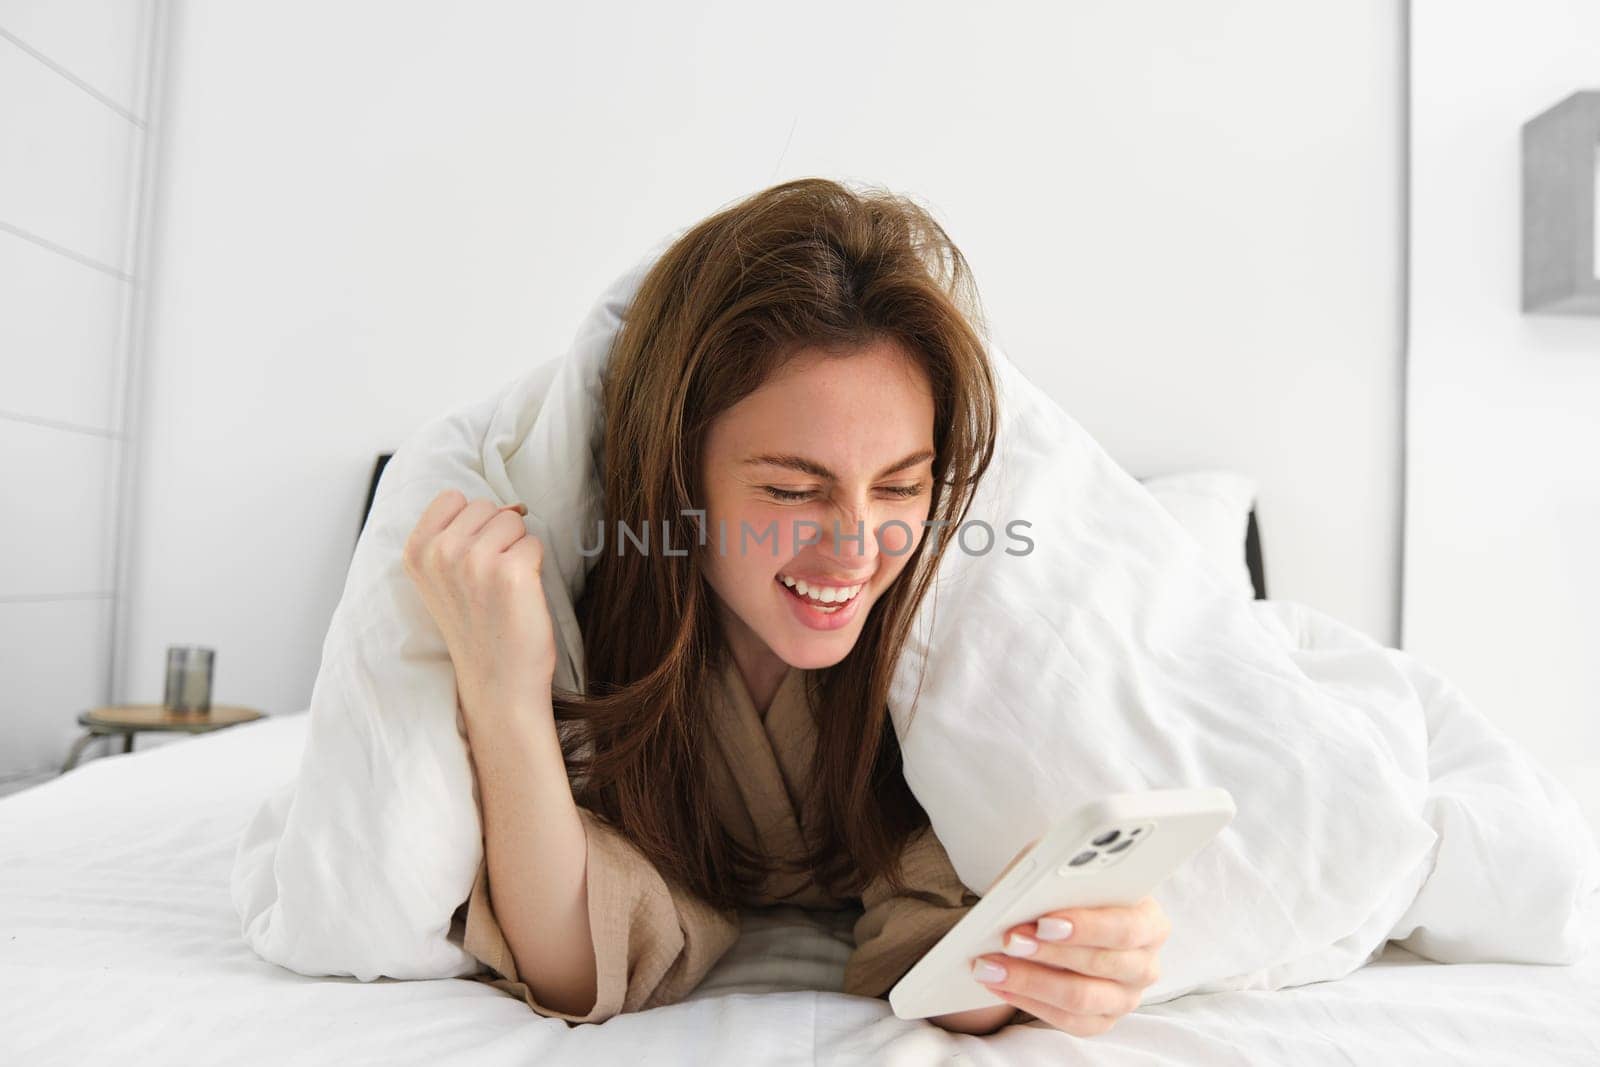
(796, 394)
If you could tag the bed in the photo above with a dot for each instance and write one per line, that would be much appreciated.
(118, 939)
(118, 942)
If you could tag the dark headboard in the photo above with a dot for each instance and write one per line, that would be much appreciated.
(1252, 557)
(1252, 536)
(372, 488)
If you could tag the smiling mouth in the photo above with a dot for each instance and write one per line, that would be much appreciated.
(824, 598)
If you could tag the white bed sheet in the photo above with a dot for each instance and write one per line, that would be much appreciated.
(119, 942)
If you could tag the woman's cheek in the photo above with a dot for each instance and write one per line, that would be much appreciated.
(900, 533)
(767, 534)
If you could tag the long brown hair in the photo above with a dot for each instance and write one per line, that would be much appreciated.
(804, 263)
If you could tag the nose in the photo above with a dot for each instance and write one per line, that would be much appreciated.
(853, 538)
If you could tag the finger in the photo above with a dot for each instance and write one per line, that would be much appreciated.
(464, 528)
(530, 551)
(1066, 1021)
(438, 514)
(1130, 966)
(504, 529)
(1111, 926)
(1080, 994)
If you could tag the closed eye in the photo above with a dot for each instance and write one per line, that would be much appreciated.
(904, 491)
(900, 492)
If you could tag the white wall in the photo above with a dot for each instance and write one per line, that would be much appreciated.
(1502, 574)
(1184, 219)
(73, 107)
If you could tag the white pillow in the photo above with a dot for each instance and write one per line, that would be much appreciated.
(1213, 506)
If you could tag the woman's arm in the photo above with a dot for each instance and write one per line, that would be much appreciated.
(559, 897)
(534, 845)
(898, 928)
(476, 570)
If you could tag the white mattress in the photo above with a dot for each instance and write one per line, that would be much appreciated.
(118, 942)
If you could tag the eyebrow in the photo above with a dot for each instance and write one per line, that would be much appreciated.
(812, 467)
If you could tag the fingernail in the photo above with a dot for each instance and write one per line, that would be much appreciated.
(1021, 945)
(1052, 929)
(988, 971)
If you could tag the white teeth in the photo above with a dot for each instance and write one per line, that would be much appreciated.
(822, 594)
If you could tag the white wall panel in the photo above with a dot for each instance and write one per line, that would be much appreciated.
(72, 86)
(58, 511)
(65, 161)
(101, 42)
(60, 331)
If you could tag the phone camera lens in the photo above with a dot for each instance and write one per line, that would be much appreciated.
(1106, 838)
(1120, 847)
(1081, 858)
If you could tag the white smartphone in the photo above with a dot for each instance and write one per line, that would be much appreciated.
(1111, 851)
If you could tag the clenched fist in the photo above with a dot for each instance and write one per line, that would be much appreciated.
(477, 570)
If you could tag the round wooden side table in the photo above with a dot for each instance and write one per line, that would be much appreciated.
(130, 719)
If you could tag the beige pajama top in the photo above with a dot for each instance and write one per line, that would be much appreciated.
(655, 940)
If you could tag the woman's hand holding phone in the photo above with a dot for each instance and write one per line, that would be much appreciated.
(1071, 931)
(1079, 969)
(477, 570)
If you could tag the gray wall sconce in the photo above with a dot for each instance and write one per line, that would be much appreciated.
(1560, 185)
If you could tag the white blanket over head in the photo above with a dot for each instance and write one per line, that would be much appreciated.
(1373, 801)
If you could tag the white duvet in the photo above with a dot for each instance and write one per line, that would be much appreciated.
(1374, 803)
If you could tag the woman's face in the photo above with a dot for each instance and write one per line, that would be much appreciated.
(829, 441)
